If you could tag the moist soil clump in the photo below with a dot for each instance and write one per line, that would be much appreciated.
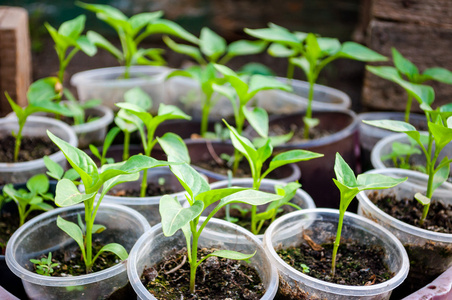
(356, 265)
(439, 218)
(153, 189)
(31, 148)
(216, 278)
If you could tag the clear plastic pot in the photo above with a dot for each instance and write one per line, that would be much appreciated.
(106, 84)
(36, 126)
(148, 206)
(152, 246)
(430, 252)
(41, 235)
(301, 198)
(370, 135)
(287, 231)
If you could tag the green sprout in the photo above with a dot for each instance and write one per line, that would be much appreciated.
(349, 186)
(405, 70)
(311, 53)
(44, 266)
(199, 196)
(109, 138)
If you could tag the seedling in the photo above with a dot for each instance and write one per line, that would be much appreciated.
(401, 153)
(131, 32)
(311, 53)
(256, 159)
(240, 92)
(146, 123)
(55, 171)
(349, 186)
(109, 138)
(199, 196)
(213, 49)
(30, 199)
(45, 265)
(94, 180)
(305, 268)
(405, 70)
(40, 97)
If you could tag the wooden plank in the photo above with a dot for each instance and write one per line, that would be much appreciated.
(15, 56)
(425, 12)
(425, 46)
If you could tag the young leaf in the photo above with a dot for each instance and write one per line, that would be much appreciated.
(38, 184)
(359, 52)
(67, 194)
(211, 44)
(73, 231)
(404, 65)
(251, 197)
(115, 248)
(229, 254)
(289, 157)
(258, 119)
(174, 216)
(211, 196)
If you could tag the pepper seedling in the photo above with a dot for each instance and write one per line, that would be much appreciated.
(212, 49)
(199, 196)
(311, 53)
(44, 266)
(32, 198)
(403, 68)
(349, 186)
(146, 123)
(93, 180)
(131, 32)
(256, 159)
(401, 153)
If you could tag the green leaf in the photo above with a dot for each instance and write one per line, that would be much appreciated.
(211, 44)
(79, 160)
(138, 97)
(115, 248)
(109, 138)
(67, 194)
(174, 216)
(377, 181)
(73, 28)
(139, 21)
(118, 180)
(312, 48)
(103, 43)
(42, 90)
(398, 126)
(258, 119)
(95, 151)
(311, 122)
(402, 64)
(244, 146)
(289, 157)
(441, 134)
(229, 254)
(183, 49)
(423, 200)
(84, 44)
(278, 50)
(439, 74)
(73, 231)
(97, 228)
(274, 34)
(164, 26)
(441, 175)
(71, 174)
(137, 111)
(260, 83)
(174, 146)
(19, 111)
(352, 50)
(104, 9)
(212, 196)
(251, 197)
(344, 174)
(244, 47)
(238, 84)
(329, 46)
(38, 184)
(54, 169)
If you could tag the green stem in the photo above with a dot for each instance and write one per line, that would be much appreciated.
(125, 153)
(18, 139)
(309, 108)
(194, 261)
(408, 108)
(290, 72)
(88, 239)
(205, 116)
(337, 241)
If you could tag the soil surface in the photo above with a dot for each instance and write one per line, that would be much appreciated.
(216, 278)
(153, 189)
(439, 218)
(31, 148)
(314, 133)
(356, 265)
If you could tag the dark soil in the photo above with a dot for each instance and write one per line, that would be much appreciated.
(153, 189)
(439, 218)
(356, 265)
(298, 137)
(216, 278)
(31, 148)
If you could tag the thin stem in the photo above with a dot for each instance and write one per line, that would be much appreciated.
(205, 115)
(88, 239)
(290, 72)
(18, 139)
(309, 108)
(194, 260)
(337, 241)
(125, 153)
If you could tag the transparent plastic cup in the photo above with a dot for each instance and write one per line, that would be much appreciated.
(301, 198)
(107, 84)
(287, 231)
(41, 235)
(148, 206)
(430, 252)
(36, 126)
(150, 249)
